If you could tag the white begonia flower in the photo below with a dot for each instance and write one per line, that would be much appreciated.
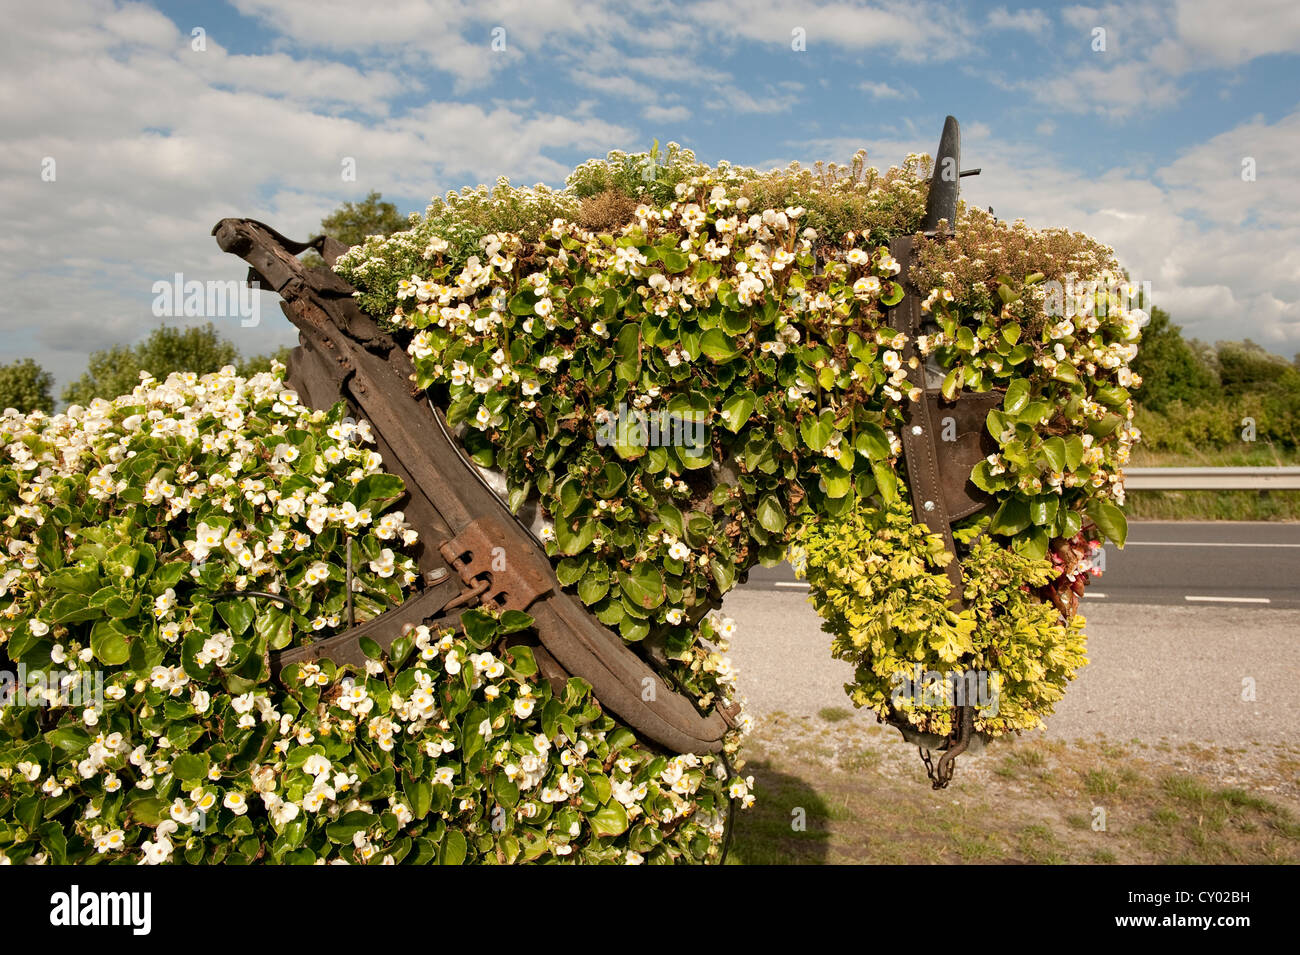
(316, 765)
(236, 802)
(157, 851)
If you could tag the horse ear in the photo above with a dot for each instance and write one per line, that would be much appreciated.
(329, 248)
(945, 181)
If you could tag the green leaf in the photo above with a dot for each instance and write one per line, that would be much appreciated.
(643, 585)
(1073, 452)
(453, 849)
(674, 260)
(817, 430)
(632, 629)
(609, 820)
(886, 482)
(837, 479)
(1042, 509)
(1110, 521)
(377, 487)
(190, 767)
(110, 642)
(1017, 396)
(507, 792)
(591, 589)
(571, 570)
(718, 345)
(737, 409)
(570, 496)
(1112, 395)
(872, 442)
(1033, 544)
(1034, 412)
(70, 608)
(275, 627)
(952, 383)
(348, 825)
(522, 303)
(1066, 372)
(627, 348)
(1055, 451)
(1011, 518)
(238, 615)
(771, 515)
(724, 574)
(78, 580)
(672, 519)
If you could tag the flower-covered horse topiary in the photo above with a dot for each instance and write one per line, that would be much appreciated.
(318, 644)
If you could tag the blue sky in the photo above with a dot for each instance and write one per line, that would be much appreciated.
(1140, 143)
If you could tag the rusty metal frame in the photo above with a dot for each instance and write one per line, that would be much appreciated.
(344, 355)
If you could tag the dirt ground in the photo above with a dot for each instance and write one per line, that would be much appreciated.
(836, 788)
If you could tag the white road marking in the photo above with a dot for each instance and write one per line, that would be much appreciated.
(1089, 593)
(1200, 544)
(1229, 600)
(792, 583)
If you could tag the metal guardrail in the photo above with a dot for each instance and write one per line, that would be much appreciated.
(1212, 479)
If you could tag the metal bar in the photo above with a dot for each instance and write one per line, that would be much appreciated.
(1212, 479)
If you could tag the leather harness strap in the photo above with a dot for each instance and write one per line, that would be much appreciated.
(920, 452)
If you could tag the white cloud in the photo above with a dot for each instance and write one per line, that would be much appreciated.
(918, 31)
(153, 146)
(739, 100)
(881, 90)
(666, 114)
(614, 85)
(1150, 47)
(1028, 21)
(1223, 256)
(1237, 34)
(1118, 91)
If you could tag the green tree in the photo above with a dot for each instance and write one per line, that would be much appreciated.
(1170, 367)
(351, 222)
(25, 386)
(115, 371)
(1246, 367)
(248, 367)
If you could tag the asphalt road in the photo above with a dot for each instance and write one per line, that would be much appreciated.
(1195, 672)
(1184, 563)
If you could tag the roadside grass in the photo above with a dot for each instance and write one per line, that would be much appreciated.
(1242, 456)
(851, 792)
(1215, 505)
